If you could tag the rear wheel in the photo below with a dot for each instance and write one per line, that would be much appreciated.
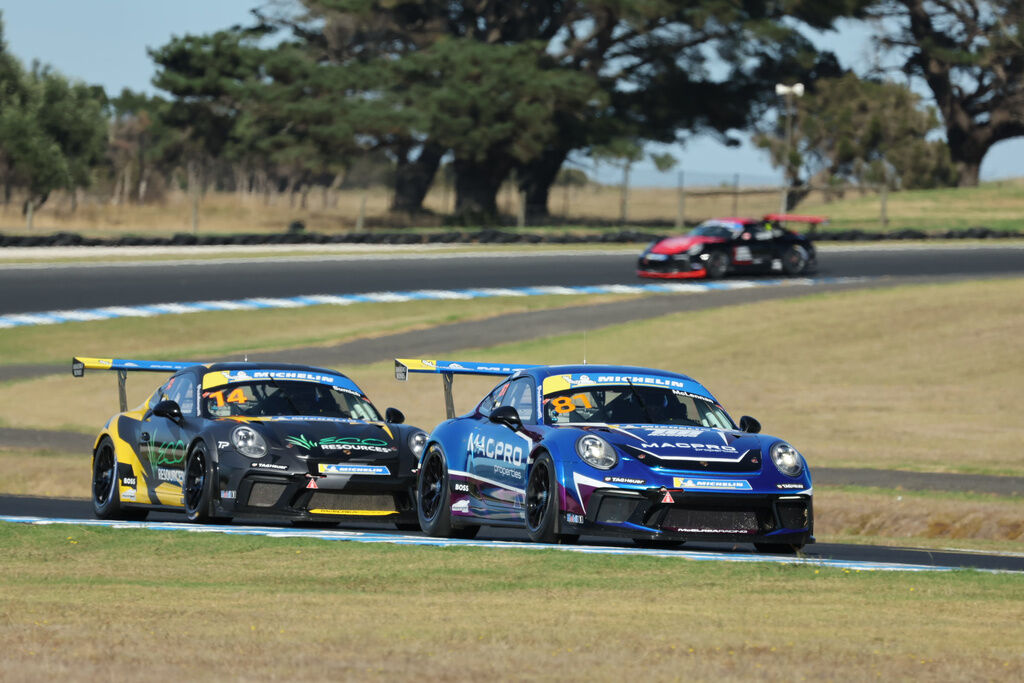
(717, 265)
(433, 496)
(794, 260)
(198, 493)
(106, 492)
(542, 504)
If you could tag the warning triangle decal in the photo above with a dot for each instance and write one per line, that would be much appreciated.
(312, 484)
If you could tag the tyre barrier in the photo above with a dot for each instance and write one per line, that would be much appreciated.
(484, 236)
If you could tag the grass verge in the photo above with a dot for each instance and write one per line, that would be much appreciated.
(105, 603)
(40, 472)
(917, 378)
(221, 333)
(997, 204)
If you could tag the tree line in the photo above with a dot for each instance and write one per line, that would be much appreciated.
(315, 93)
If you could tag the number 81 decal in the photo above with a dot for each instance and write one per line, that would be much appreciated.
(567, 404)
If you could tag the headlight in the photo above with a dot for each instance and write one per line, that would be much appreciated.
(787, 460)
(248, 442)
(596, 452)
(417, 440)
(695, 249)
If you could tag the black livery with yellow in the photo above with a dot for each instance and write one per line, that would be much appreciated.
(221, 440)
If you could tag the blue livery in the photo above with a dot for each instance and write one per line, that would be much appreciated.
(607, 450)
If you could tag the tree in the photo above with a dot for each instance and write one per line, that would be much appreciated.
(848, 129)
(52, 131)
(648, 61)
(971, 55)
(492, 105)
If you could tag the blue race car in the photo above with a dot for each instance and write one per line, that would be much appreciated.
(607, 450)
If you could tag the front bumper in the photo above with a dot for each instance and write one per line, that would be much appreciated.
(690, 516)
(674, 267)
(305, 497)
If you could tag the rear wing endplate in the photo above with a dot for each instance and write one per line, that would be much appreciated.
(122, 365)
(448, 369)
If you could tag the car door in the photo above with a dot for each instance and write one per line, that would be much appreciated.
(163, 442)
(497, 455)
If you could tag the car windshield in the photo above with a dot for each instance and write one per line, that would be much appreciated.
(626, 404)
(270, 397)
(715, 229)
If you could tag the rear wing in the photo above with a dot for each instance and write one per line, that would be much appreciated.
(80, 364)
(448, 369)
(796, 218)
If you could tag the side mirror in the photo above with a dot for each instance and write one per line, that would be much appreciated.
(169, 409)
(508, 416)
(749, 424)
(394, 416)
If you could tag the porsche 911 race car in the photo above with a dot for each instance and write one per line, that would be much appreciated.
(722, 246)
(226, 439)
(607, 450)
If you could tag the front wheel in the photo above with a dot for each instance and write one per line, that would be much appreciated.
(106, 493)
(542, 507)
(198, 493)
(717, 265)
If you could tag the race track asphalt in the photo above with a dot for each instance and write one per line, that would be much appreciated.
(35, 288)
(32, 289)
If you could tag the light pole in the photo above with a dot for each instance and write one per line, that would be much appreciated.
(789, 92)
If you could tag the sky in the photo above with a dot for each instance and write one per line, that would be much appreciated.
(104, 42)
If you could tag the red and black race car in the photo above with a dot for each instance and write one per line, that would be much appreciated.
(721, 246)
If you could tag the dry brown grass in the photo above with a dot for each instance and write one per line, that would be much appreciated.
(867, 516)
(113, 604)
(920, 378)
(32, 472)
(923, 378)
(998, 204)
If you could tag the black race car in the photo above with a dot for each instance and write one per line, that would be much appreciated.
(267, 439)
(721, 246)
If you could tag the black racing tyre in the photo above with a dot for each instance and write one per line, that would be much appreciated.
(542, 508)
(794, 260)
(432, 494)
(717, 265)
(198, 485)
(657, 543)
(106, 494)
(779, 548)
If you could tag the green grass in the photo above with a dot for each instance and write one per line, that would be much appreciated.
(107, 603)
